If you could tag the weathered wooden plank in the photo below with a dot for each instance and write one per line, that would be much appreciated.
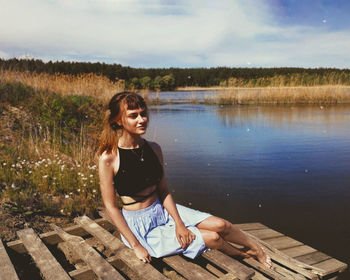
(265, 233)
(144, 271)
(7, 271)
(302, 268)
(48, 265)
(99, 265)
(259, 276)
(86, 273)
(190, 271)
(298, 251)
(214, 270)
(229, 264)
(283, 242)
(262, 268)
(313, 258)
(331, 266)
(250, 226)
(228, 276)
(53, 238)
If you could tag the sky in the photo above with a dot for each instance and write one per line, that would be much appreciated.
(176, 33)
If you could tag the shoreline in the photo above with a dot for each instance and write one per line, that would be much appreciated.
(257, 88)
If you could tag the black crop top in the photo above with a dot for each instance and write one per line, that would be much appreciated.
(138, 169)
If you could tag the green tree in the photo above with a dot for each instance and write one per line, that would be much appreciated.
(168, 82)
(145, 82)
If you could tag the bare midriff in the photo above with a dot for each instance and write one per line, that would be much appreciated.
(143, 204)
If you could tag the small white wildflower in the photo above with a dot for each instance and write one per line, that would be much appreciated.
(84, 178)
(91, 175)
(91, 181)
(30, 172)
(70, 193)
(62, 167)
(93, 190)
(61, 210)
(4, 163)
(79, 173)
(78, 190)
(13, 165)
(54, 178)
(66, 196)
(13, 185)
(45, 176)
(84, 186)
(46, 165)
(78, 165)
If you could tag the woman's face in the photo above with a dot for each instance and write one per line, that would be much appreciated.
(134, 121)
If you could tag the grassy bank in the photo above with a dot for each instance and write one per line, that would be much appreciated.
(281, 95)
(93, 85)
(47, 151)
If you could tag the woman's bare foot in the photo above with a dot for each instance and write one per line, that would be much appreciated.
(258, 253)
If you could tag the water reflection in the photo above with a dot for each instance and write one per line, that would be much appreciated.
(287, 167)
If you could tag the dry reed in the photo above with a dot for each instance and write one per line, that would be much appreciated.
(282, 95)
(83, 84)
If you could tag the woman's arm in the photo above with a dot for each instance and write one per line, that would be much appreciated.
(106, 173)
(184, 235)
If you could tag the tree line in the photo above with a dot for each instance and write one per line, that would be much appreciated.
(171, 78)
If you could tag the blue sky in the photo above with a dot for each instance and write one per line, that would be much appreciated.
(175, 33)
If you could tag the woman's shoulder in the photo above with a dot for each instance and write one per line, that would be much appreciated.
(107, 159)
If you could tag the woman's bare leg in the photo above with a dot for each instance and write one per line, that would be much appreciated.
(213, 240)
(230, 233)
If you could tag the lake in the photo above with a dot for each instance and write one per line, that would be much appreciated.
(287, 167)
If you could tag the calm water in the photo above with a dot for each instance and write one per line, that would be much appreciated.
(286, 167)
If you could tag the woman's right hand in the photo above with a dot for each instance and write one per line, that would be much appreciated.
(142, 254)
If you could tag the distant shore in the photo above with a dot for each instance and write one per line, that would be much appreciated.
(194, 88)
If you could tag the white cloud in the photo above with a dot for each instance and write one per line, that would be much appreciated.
(164, 33)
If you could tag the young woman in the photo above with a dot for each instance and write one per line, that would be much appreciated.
(150, 222)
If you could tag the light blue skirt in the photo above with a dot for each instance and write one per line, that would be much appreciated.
(154, 228)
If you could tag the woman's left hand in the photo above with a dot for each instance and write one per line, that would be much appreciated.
(184, 236)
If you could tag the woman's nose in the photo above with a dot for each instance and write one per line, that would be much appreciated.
(141, 118)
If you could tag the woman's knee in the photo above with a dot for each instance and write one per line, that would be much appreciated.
(221, 225)
(215, 224)
(212, 239)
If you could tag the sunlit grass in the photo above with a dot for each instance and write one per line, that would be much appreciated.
(90, 84)
(281, 95)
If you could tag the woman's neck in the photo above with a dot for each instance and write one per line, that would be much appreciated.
(129, 141)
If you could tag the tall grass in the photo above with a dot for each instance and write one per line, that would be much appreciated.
(47, 151)
(97, 86)
(291, 80)
(281, 95)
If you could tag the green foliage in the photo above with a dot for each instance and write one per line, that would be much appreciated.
(145, 82)
(203, 77)
(47, 166)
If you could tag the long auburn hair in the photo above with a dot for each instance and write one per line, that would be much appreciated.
(118, 104)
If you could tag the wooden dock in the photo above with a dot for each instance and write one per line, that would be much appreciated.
(291, 259)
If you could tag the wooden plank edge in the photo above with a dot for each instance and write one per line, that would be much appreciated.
(144, 271)
(304, 269)
(89, 255)
(7, 270)
(53, 238)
